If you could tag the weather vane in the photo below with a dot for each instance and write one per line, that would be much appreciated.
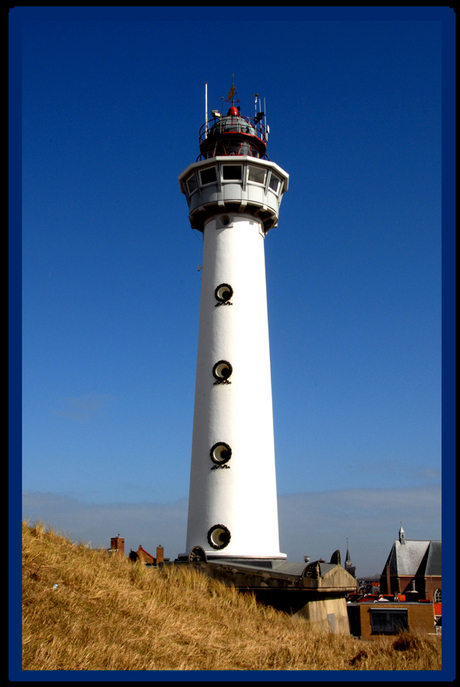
(232, 92)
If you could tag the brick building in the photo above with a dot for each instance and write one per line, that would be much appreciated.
(369, 620)
(413, 570)
(117, 546)
(145, 557)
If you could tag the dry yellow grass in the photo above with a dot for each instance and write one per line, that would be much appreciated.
(107, 613)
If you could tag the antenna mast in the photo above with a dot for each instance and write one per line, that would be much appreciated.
(265, 116)
(206, 109)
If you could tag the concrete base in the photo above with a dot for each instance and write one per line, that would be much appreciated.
(315, 593)
(329, 615)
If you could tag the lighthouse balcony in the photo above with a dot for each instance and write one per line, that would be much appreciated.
(229, 184)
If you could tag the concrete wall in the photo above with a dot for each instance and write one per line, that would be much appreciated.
(326, 614)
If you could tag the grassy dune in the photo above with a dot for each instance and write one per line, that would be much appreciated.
(107, 613)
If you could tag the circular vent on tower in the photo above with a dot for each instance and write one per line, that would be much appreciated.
(223, 293)
(222, 371)
(224, 221)
(221, 453)
(219, 536)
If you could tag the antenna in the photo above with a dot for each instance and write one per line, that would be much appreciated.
(206, 109)
(255, 104)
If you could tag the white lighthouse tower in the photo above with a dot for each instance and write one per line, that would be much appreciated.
(233, 193)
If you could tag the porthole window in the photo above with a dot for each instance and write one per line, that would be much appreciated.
(221, 453)
(223, 293)
(231, 172)
(219, 536)
(222, 371)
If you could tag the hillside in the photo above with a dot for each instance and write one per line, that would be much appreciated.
(86, 610)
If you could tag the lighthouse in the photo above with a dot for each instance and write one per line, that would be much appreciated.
(233, 193)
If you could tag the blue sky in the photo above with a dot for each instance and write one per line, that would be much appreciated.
(112, 101)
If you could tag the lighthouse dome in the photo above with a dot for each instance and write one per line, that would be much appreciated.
(232, 134)
(234, 123)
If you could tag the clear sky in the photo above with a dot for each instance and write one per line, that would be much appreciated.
(112, 102)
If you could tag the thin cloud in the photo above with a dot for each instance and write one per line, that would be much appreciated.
(84, 408)
(314, 524)
(318, 523)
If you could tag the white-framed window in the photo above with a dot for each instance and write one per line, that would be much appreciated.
(437, 596)
(208, 176)
(256, 175)
(191, 184)
(274, 182)
(232, 172)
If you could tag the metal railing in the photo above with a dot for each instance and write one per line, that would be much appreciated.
(233, 124)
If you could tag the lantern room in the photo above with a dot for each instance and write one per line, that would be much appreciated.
(233, 134)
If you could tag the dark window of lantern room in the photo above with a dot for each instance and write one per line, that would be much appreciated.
(231, 172)
(257, 175)
(274, 183)
(191, 184)
(208, 176)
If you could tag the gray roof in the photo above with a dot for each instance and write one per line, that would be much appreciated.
(434, 562)
(421, 557)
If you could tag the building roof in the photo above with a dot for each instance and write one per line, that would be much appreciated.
(142, 552)
(434, 559)
(414, 557)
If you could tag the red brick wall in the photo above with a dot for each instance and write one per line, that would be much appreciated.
(432, 583)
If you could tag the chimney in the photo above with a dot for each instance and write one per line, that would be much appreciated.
(160, 555)
(117, 545)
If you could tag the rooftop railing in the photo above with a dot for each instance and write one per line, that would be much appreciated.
(233, 124)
